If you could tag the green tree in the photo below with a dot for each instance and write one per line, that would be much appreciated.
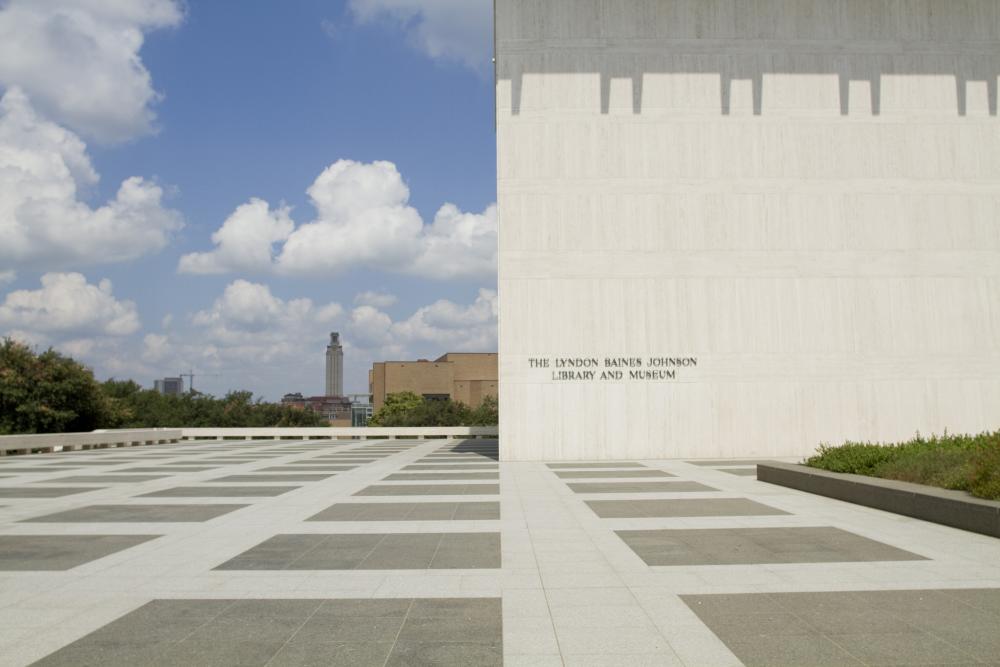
(439, 412)
(396, 409)
(47, 392)
(135, 407)
(486, 413)
(409, 409)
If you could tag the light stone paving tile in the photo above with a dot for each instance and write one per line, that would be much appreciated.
(531, 660)
(547, 531)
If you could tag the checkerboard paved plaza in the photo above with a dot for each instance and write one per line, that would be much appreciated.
(408, 553)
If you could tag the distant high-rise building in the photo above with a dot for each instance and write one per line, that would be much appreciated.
(169, 386)
(335, 366)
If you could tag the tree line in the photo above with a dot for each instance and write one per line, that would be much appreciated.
(49, 392)
(409, 409)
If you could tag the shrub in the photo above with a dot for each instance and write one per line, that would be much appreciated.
(984, 477)
(961, 462)
(409, 409)
(853, 457)
(942, 466)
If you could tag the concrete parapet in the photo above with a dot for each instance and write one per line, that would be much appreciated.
(53, 442)
(343, 433)
(950, 508)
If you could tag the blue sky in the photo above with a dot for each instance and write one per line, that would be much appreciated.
(384, 108)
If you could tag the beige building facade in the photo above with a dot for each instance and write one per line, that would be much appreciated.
(733, 228)
(467, 377)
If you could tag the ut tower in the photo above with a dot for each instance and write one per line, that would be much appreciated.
(743, 228)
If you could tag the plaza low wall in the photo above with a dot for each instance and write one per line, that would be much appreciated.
(341, 433)
(950, 508)
(55, 442)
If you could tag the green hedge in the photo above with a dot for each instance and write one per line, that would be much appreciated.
(961, 462)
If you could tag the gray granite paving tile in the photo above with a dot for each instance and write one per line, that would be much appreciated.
(741, 472)
(219, 491)
(102, 479)
(595, 464)
(413, 551)
(811, 651)
(433, 511)
(742, 627)
(332, 654)
(170, 468)
(234, 460)
(908, 627)
(353, 622)
(908, 648)
(60, 552)
(445, 654)
(747, 546)
(107, 462)
(856, 619)
(304, 468)
(596, 474)
(985, 599)
(291, 477)
(467, 550)
(485, 511)
(638, 487)
(429, 490)
(430, 476)
(386, 551)
(191, 462)
(454, 459)
(451, 632)
(137, 514)
(684, 507)
(331, 459)
(452, 466)
(43, 492)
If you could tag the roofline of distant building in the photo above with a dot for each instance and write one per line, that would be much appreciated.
(440, 359)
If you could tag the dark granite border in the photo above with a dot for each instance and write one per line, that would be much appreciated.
(950, 508)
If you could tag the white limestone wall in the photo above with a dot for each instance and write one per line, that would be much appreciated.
(803, 194)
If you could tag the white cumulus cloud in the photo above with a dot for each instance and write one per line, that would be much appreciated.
(450, 30)
(443, 326)
(458, 244)
(248, 314)
(244, 242)
(67, 306)
(79, 61)
(43, 222)
(363, 220)
(156, 348)
(376, 299)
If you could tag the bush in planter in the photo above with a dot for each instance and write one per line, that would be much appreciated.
(984, 480)
(852, 457)
(960, 462)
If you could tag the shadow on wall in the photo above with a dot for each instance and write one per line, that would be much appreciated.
(752, 69)
(740, 40)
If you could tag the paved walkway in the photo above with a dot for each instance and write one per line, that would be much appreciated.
(408, 553)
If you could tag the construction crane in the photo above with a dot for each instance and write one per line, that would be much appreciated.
(190, 375)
